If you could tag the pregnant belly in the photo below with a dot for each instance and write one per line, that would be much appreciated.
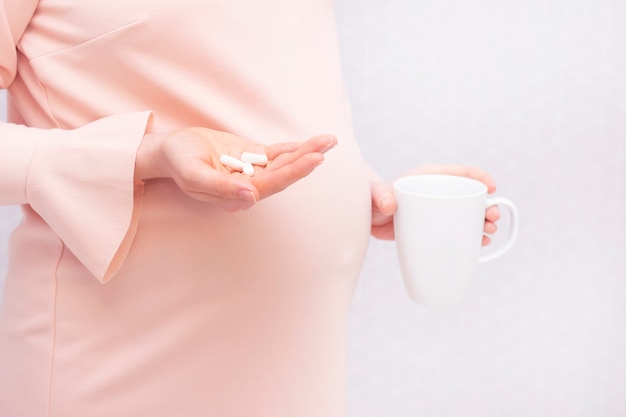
(227, 305)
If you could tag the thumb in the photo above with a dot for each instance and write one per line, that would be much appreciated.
(383, 202)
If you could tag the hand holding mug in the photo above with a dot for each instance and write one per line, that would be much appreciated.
(439, 225)
(384, 203)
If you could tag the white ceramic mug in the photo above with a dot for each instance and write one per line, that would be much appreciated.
(439, 228)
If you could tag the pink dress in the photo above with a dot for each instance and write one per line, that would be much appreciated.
(131, 299)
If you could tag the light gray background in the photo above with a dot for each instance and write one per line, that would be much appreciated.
(533, 92)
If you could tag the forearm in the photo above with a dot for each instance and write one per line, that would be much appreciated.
(148, 162)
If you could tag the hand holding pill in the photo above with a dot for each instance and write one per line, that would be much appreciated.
(225, 169)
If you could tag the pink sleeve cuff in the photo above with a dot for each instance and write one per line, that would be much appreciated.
(81, 182)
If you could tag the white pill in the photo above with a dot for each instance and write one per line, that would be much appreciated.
(254, 158)
(232, 162)
(248, 169)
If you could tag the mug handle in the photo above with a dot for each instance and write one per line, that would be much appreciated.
(492, 201)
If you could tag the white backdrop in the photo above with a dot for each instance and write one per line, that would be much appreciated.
(534, 92)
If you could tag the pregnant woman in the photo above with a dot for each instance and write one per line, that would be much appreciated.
(146, 278)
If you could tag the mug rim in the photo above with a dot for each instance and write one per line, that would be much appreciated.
(403, 185)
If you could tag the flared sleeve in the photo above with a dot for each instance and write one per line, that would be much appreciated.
(80, 181)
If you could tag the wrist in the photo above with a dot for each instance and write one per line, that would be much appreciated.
(148, 161)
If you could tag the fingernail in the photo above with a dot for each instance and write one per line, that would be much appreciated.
(331, 144)
(247, 196)
(385, 204)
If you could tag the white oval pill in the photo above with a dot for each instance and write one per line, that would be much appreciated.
(232, 162)
(248, 169)
(254, 158)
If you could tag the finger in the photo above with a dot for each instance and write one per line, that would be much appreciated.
(202, 180)
(486, 241)
(384, 232)
(383, 199)
(320, 143)
(459, 170)
(379, 219)
(269, 182)
(276, 149)
(490, 228)
(482, 176)
(384, 206)
(493, 214)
